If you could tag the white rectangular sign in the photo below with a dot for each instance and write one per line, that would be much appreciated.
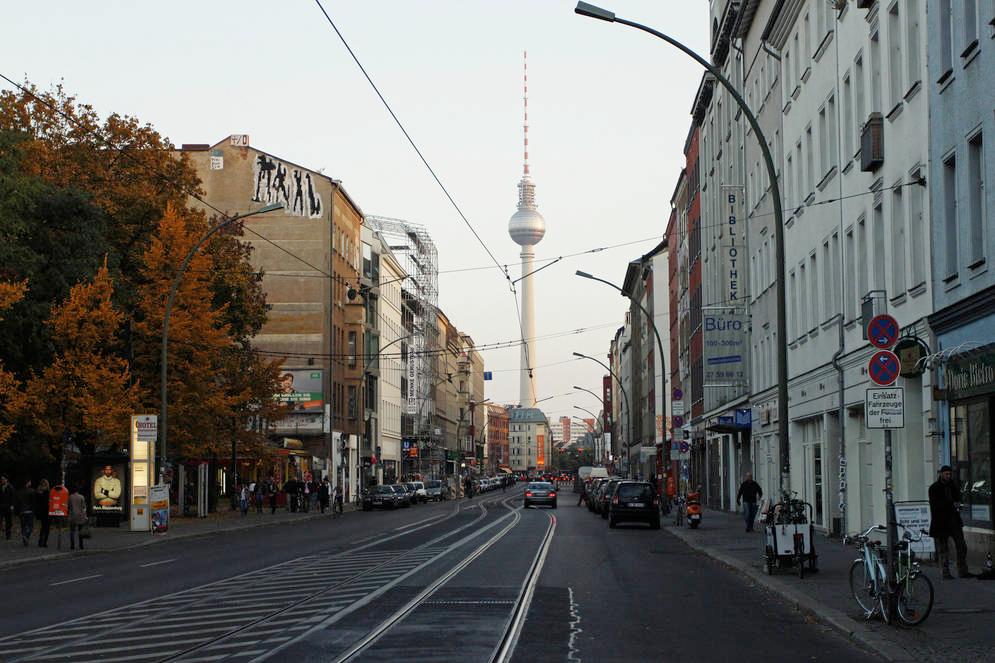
(884, 407)
(914, 518)
(145, 427)
(677, 408)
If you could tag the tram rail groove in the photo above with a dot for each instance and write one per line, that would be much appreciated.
(203, 596)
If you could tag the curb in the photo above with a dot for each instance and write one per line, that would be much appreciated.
(151, 540)
(836, 619)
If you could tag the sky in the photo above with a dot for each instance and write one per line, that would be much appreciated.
(609, 110)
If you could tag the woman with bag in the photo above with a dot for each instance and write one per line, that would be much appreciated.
(79, 527)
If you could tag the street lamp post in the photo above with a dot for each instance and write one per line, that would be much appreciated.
(625, 396)
(659, 345)
(459, 424)
(366, 370)
(589, 10)
(164, 351)
(601, 428)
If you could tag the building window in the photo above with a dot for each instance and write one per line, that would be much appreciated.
(917, 232)
(858, 101)
(823, 142)
(352, 401)
(794, 305)
(946, 38)
(912, 40)
(976, 192)
(813, 288)
(850, 276)
(950, 215)
(970, 26)
(971, 456)
(875, 72)
(877, 228)
(861, 260)
(804, 299)
(898, 242)
(810, 159)
(848, 130)
(833, 132)
(352, 349)
(895, 60)
(806, 39)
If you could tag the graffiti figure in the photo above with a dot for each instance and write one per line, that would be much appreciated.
(298, 206)
(314, 202)
(264, 168)
(281, 194)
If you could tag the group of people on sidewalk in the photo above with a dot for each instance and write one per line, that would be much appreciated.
(301, 495)
(945, 521)
(32, 504)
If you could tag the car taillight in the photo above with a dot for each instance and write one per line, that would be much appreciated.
(656, 501)
(528, 493)
(615, 500)
(552, 493)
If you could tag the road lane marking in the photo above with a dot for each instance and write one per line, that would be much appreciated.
(161, 561)
(419, 522)
(66, 582)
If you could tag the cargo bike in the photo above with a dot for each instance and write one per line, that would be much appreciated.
(789, 536)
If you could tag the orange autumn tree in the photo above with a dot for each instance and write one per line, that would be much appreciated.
(11, 397)
(211, 382)
(87, 390)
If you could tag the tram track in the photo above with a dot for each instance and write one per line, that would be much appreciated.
(178, 625)
(511, 629)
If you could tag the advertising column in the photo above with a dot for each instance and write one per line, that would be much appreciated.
(143, 436)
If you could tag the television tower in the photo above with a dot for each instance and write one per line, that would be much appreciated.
(527, 228)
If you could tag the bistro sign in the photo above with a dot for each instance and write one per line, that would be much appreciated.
(971, 373)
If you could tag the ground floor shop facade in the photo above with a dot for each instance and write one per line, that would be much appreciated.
(965, 373)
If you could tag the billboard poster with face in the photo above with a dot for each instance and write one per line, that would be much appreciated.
(300, 390)
(108, 489)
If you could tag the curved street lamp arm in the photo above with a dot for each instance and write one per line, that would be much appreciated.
(164, 351)
(586, 9)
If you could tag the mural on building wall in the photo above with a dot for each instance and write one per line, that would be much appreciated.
(276, 183)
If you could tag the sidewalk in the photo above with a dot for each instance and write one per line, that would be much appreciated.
(959, 627)
(106, 539)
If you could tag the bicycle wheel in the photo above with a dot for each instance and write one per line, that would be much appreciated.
(915, 599)
(862, 587)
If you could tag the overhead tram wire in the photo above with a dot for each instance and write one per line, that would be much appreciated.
(500, 267)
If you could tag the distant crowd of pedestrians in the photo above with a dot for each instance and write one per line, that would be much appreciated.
(32, 504)
(300, 495)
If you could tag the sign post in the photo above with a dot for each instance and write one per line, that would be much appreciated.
(884, 408)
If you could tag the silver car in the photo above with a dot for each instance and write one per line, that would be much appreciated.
(540, 492)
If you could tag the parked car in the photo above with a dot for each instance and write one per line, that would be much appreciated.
(540, 492)
(380, 497)
(436, 490)
(634, 501)
(405, 497)
(605, 495)
(592, 491)
(419, 489)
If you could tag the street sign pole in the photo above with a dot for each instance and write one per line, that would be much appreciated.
(891, 523)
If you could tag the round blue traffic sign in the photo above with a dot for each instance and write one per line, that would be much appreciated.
(884, 367)
(678, 394)
(685, 447)
(882, 331)
(677, 421)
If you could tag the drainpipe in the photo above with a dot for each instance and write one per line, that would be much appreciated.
(841, 416)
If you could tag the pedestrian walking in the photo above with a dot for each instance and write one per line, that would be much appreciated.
(583, 493)
(25, 507)
(257, 495)
(945, 522)
(6, 505)
(77, 518)
(338, 499)
(314, 494)
(243, 499)
(272, 489)
(41, 512)
(750, 493)
(325, 494)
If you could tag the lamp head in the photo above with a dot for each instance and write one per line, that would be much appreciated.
(591, 11)
(272, 207)
(577, 354)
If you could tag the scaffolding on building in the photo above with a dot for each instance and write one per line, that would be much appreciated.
(413, 246)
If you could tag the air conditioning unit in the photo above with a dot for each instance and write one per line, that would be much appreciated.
(872, 143)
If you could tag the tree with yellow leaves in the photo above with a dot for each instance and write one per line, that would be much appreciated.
(11, 398)
(87, 390)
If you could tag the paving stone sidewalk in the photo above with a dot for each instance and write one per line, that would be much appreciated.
(105, 539)
(959, 628)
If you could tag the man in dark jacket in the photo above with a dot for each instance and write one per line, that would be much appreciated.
(24, 503)
(749, 493)
(945, 522)
(6, 505)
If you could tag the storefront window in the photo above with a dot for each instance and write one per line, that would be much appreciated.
(971, 451)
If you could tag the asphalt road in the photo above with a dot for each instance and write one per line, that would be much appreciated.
(436, 582)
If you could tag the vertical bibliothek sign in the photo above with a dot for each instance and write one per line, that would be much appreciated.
(144, 433)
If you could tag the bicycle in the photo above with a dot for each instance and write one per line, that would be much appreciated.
(913, 592)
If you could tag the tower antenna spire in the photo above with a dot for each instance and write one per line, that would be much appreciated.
(525, 81)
